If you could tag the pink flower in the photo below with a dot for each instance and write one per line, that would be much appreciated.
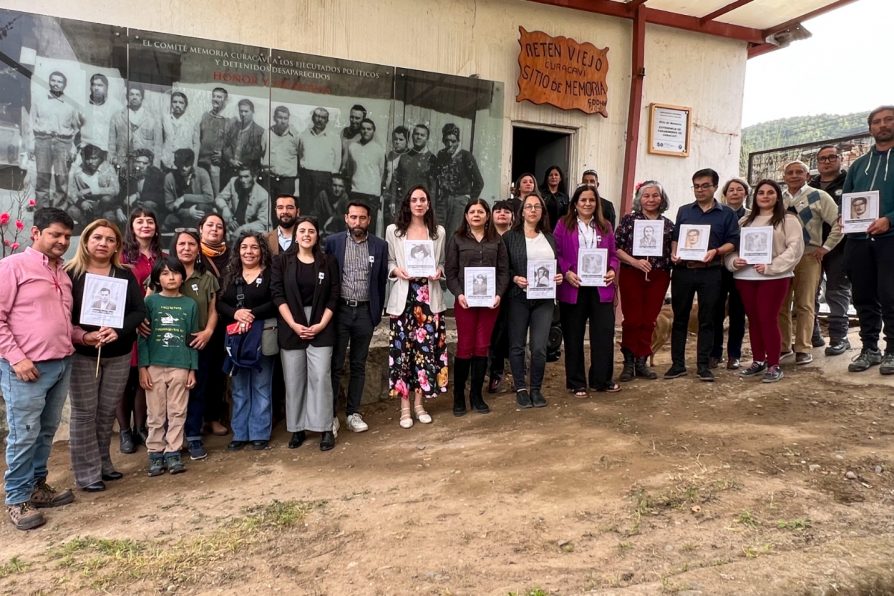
(15, 246)
(4, 219)
(421, 335)
(401, 388)
(423, 381)
(421, 294)
(32, 203)
(20, 225)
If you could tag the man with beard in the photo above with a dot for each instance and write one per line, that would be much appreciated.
(189, 193)
(244, 204)
(869, 256)
(54, 122)
(133, 128)
(97, 115)
(366, 170)
(319, 157)
(416, 167)
(283, 154)
(178, 130)
(246, 143)
(93, 189)
(212, 134)
(351, 133)
(363, 265)
(330, 204)
(459, 179)
(282, 237)
(400, 137)
(145, 185)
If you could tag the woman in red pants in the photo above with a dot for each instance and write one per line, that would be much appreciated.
(645, 275)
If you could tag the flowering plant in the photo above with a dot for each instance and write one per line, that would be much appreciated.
(11, 240)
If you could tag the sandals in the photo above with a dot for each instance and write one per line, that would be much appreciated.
(580, 393)
(406, 419)
(421, 415)
(613, 388)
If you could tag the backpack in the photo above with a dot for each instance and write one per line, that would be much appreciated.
(244, 349)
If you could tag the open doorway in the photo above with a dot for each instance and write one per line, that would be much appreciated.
(536, 149)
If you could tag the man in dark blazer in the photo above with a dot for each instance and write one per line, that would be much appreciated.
(363, 266)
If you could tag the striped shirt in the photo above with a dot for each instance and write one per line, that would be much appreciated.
(355, 279)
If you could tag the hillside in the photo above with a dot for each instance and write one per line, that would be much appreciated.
(797, 130)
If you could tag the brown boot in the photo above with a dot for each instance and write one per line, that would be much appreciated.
(24, 516)
(45, 495)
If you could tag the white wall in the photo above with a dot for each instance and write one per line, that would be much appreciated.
(464, 37)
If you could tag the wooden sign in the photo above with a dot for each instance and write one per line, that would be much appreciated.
(562, 72)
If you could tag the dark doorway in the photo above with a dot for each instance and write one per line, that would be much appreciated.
(534, 150)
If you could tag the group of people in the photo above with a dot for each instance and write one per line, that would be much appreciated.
(282, 311)
(100, 160)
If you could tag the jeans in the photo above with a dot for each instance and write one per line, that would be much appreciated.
(869, 267)
(354, 327)
(838, 293)
(252, 404)
(33, 411)
(685, 285)
(195, 409)
(536, 315)
(736, 319)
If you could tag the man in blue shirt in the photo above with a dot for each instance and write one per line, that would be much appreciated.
(700, 277)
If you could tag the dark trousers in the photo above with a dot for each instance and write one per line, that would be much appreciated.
(310, 184)
(207, 400)
(51, 155)
(685, 285)
(870, 267)
(353, 327)
(280, 185)
(762, 300)
(499, 342)
(838, 293)
(536, 316)
(601, 317)
(736, 319)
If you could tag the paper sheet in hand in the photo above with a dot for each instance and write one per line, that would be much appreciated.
(104, 300)
(592, 263)
(480, 286)
(858, 210)
(692, 244)
(648, 238)
(541, 279)
(756, 245)
(420, 256)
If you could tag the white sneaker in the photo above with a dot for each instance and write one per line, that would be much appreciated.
(355, 423)
(335, 426)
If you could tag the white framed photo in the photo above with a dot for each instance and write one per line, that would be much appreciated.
(858, 210)
(592, 263)
(420, 256)
(692, 244)
(756, 245)
(480, 286)
(541, 279)
(103, 301)
(648, 238)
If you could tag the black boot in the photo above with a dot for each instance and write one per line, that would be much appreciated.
(127, 442)
(460, 376)
(641, 368)
(628, 372)
(476, 398)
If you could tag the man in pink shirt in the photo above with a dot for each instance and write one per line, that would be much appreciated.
(35, 349)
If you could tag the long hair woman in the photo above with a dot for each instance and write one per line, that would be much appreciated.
(418, 353)
(95, 395)
(763, 287)
(585, 228)
(475, 244)
(554, 190)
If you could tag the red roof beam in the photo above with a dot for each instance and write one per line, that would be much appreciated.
(724, 9)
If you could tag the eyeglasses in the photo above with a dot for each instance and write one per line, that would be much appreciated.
(828, 158)
(532, 207)
(702, 186)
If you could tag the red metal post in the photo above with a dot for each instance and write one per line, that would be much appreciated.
(634, 114)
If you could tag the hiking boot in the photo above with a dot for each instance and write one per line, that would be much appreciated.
(773, 374)
(641, 368)
(24, 516)
(629, 370)
(197, 451)
(755, 369)
(156, 464)
(174, 464)
(803, 358)
(127, 444)
(866, 358)
(45, 495)
(838, 346)
(676, 370)
(887, 367)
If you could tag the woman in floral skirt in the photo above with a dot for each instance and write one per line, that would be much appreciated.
(418, 353)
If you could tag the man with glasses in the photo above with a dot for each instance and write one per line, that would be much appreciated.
(703, 277)
(838, 286)
(870, 255)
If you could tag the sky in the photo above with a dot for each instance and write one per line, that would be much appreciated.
(845, 67)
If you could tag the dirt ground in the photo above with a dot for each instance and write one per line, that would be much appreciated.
(683, 487)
